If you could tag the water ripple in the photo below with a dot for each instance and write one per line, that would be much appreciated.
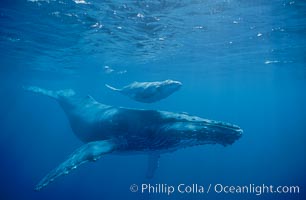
(143, 31)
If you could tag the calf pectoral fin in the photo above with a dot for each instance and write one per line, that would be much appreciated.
(88, 152)
(153, 161)
(112, 88)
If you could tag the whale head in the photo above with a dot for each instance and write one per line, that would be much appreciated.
(192, 131)
(170, 86)
(216, 132)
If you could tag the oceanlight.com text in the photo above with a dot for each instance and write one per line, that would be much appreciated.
(182, 188)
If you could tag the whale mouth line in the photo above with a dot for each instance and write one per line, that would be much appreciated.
(203, 132)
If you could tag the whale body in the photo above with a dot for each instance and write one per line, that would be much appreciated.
(108, 129)
(148, 92)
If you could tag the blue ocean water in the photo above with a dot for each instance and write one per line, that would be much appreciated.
(240, 61)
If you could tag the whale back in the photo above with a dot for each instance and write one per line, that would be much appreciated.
(84, 116)
(82, 112)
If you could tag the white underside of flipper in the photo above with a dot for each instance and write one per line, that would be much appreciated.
(88, 152)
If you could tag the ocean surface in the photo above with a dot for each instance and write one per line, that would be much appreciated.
(240, 61)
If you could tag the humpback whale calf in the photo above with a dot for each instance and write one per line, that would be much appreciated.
(108, 129)
(149, 92)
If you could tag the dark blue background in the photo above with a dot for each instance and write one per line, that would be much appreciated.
(239, 61)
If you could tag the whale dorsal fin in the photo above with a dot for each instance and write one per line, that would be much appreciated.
(88, 152)
(90, 98)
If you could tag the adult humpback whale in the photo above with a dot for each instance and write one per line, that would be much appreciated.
(108, 129)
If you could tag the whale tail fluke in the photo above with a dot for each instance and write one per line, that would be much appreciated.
(50, 93)
(112, 88)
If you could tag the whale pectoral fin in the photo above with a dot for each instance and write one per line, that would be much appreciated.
(112, 88)
(88, 152)
(153, 162)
